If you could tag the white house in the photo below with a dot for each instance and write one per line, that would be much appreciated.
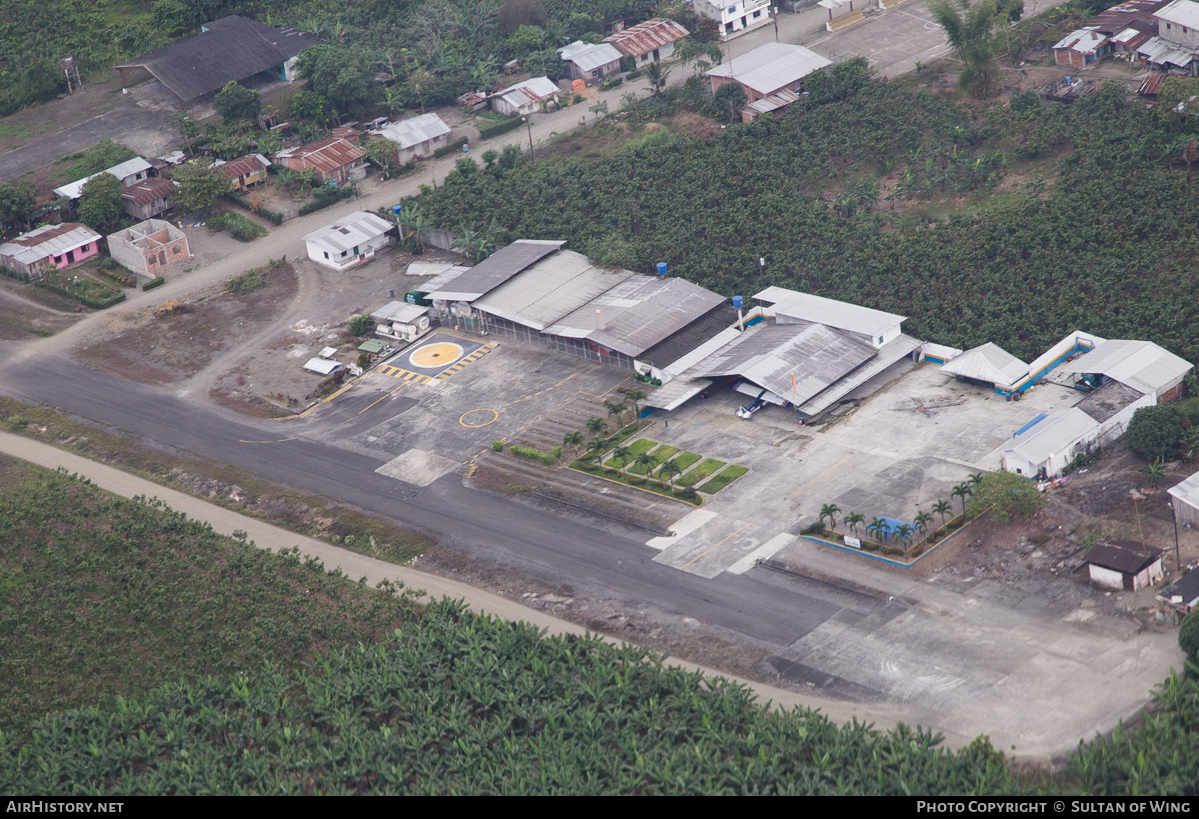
(130, 172)
(526, 97)
(590, 61)
(350, 241)
(735, 17)
(416, 138)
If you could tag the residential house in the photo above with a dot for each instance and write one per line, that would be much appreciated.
(734, 17)
(148, 247)
(350, 241)
(49, 247)
(1081, 48)
(590, 61)
(148, 198)
(130, 172)
(333, 160)
(768, 69)
(244, 172)
(1176, 45)
(650, 41)
(231, 49)
(1125, 565)
(417, 137)
(526, 97)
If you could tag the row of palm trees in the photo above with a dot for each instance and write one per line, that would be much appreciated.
(905, 531)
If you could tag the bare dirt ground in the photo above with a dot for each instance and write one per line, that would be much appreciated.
(169, 345)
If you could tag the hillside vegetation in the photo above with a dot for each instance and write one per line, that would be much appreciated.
(1014, 224)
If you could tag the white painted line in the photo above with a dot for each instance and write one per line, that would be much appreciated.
(682, 527)
(764, 552)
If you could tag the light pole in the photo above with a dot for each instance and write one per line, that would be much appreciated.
(775, 11)
(1177, 558)
(529, 123)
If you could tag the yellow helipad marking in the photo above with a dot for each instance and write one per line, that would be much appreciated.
(439, 354)
(494, 415)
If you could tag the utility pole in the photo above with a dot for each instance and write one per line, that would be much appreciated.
(529, 123)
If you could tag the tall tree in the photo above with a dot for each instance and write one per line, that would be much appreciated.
(100, 203)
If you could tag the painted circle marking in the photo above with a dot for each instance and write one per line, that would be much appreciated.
(478, 417)
(438, 354)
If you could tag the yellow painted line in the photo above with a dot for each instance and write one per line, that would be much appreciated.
(822, 474)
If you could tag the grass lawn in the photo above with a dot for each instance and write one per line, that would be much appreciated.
(708, 467)
(723, 479)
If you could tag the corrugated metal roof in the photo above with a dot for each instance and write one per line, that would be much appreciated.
(48, 240)
(1054, 435)
(645, 37)
(811, 357)
(326, 155)
(1181, 13)
(1141, 365)
(1082, 41)
(990, 363)
(589, 56)
(487, 275)
(550, 289)
(147, 191)
(638, 313)
(348, 232)
(121, 171)
(414, 131)
(244, 166)
(844, 316)
(771, 67)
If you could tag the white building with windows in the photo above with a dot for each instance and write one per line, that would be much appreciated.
(350, 241)
(735, 17)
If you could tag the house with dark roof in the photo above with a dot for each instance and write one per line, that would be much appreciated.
(333, 160)
(231, 49)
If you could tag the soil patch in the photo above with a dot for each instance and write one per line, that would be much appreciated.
(177, 340)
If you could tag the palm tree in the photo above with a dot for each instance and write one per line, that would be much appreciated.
(623, 453)
(646, 460)
(671, 468)
(636, 396)
(962, 491)
(879, 526)
(904, 530)
(573, 439)
(617, 409)
(852, 520)
(657, 76)
(942, 508)
(830, 511)
(596, 427)
(1154, 473)
(922, 519)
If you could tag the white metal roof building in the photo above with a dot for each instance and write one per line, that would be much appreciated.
(409, 133)
(768, 69)
(350, 241)
(1051, 444)
(789, 306)
(990, 364)
(129, 172)
(1142, 365)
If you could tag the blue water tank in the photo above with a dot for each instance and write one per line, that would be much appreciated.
(737, 302)
(661, 268)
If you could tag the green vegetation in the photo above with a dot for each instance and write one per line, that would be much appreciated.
(723, 479)
(708, 467)
(899, 200)
(239, 227)
(104, 597)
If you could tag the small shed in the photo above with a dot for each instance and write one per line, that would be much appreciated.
(401, 321)
(1125, 564)
(1175, 601)
(350, 241)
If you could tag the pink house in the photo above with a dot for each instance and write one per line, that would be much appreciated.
(50, 246)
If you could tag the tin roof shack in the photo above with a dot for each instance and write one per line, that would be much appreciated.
(148, 198)
(652, 40)
(1175, 601)
(130, 172)
(1051, 444)
(524, 98)
(333, 160)
(147, 248)
(1125, 564)
(401, 321)
(768, 70)
(244, 172)
(416, 138)
(590, 61)
(49, 247)
(350, 241)
(1081, 48)
(1185, 499)
(230, 49)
